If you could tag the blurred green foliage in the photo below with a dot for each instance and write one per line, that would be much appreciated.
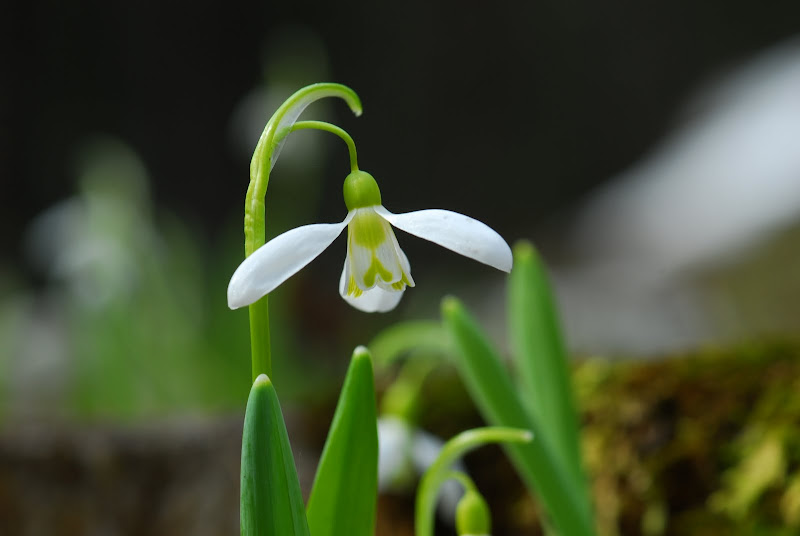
(131, 321)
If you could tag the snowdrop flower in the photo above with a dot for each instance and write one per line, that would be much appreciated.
(376, 271)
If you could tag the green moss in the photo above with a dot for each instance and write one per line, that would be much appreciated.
(710, 440)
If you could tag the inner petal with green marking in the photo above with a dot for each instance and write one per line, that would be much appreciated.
(374, 257)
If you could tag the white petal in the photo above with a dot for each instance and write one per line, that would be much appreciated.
(278, 260)
(374, 300)
(456, 232)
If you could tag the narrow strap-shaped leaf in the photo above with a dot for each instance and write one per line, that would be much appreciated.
(344, 495)
(491, 389)
(271, 503)
(540, 356)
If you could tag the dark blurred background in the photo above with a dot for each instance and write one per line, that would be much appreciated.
(126, 131)
(506, 111)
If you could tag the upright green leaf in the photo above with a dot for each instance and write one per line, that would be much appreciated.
(344, 495)
(492, 390)
(541, 359)
(271, 503)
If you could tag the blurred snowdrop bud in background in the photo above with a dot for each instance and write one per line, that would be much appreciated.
(395, 465)
(95, 248)
(94, 242)
(404, 454)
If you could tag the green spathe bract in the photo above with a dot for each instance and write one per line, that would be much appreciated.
(271, 503)
(344, 494)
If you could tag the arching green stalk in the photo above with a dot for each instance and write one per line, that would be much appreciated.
(269, 146)
(462, 478)
(333, 129)
(440, 471)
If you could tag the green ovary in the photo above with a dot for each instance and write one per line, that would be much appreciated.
(360, 190)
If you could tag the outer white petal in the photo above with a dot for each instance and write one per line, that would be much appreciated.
(374, 300)
(456, 232)
(278, 260)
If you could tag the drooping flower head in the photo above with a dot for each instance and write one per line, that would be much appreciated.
(376, 271)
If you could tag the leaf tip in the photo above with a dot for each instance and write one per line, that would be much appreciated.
(262, 381)
(524, 251)
(450, 306)
(361, 352)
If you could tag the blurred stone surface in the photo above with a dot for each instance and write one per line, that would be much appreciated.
(171, 478)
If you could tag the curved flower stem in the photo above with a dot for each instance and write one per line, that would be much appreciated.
(462, 478)
(264, 157)
(439, 471)
(401, 398)
(333, 129)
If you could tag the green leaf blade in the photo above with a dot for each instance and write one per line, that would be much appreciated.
(541, 357)
(492, 390)
(271, 502)
(343, 498)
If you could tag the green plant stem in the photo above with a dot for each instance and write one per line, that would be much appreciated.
(260, 350)
(333, 129)
(465, 481)
(403, 338)
(264, 157)
(439, 471)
